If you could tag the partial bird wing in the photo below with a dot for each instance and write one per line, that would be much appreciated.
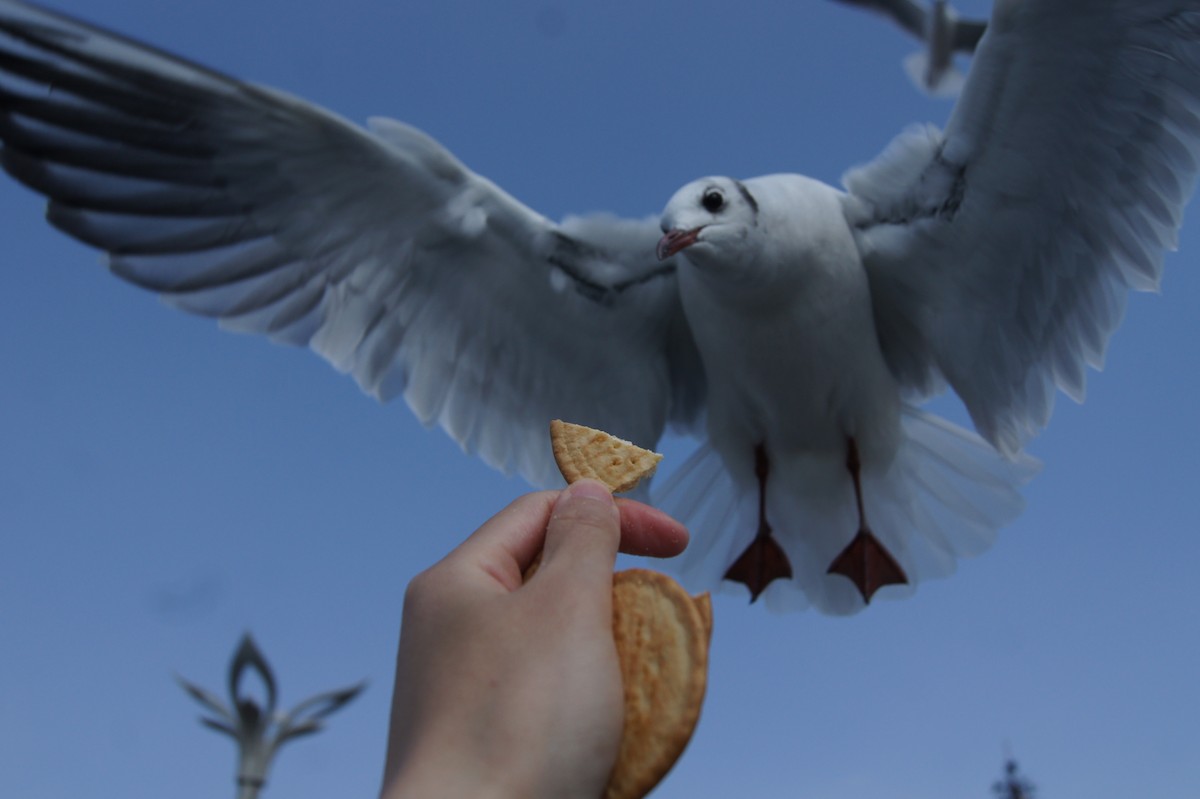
(378, 249)
(914, 18)
(908, 14)
(967, 33)
(1000, 253)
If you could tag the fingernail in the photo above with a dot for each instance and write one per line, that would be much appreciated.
(590, 491)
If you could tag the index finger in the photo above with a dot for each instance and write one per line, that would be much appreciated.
(646, 530)
(506, 544)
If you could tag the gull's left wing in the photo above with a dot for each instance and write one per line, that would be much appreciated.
(378, 249)
(1000, 253)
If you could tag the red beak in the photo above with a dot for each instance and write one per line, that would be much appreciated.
(676, 240)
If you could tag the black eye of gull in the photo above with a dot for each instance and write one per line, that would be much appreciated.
(713, 201)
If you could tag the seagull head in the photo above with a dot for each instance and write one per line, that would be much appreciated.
(711, 218)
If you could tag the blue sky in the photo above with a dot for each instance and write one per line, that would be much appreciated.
(165, 486)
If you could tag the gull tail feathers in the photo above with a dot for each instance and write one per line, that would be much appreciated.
(701, 493)
(943, 497)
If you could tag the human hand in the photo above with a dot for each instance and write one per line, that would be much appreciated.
(512, 689)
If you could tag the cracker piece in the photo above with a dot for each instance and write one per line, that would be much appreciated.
(584, 452)
(662, 637)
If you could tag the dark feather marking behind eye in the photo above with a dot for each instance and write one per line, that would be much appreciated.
(747, 195)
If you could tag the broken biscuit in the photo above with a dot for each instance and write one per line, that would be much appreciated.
(662, 636)
(584, 452)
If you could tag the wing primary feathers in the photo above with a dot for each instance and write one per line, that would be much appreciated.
(104, 124)
(159, 200)
(190, 237)
(106, 159)
(70, 40)
(141, 103)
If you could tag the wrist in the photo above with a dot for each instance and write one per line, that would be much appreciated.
(446, 785)
(433, 778)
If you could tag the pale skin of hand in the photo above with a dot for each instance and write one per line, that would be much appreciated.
(512, 689)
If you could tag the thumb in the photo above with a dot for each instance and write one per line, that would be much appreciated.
(583, 535)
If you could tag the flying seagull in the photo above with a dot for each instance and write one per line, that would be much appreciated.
(942, 32)
(792, 325)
